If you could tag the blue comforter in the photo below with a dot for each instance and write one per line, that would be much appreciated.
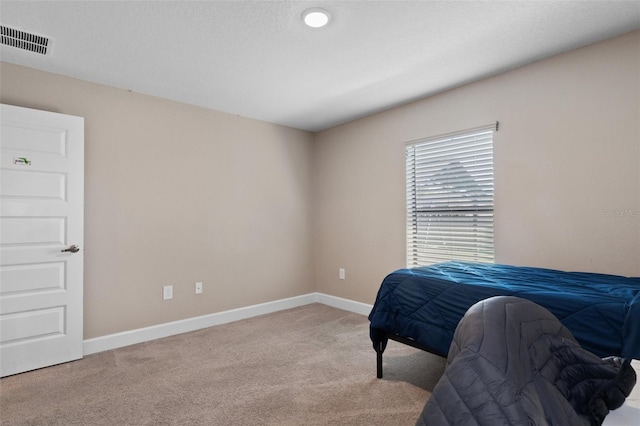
(425, 304)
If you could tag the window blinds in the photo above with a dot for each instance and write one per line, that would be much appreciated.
(450, 198)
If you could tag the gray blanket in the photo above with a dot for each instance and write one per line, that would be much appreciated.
(512, 362)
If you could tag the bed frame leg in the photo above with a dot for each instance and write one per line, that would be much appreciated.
(379, 350)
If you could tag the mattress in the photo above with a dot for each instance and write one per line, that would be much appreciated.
(425, 304)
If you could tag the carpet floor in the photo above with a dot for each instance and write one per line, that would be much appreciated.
(312, 365)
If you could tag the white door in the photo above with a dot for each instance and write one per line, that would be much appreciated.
(41, 215)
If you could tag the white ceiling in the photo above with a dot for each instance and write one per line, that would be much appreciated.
(257, 59)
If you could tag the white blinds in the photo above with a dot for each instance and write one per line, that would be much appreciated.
(450, 198)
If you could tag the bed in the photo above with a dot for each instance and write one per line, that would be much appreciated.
(421, 307)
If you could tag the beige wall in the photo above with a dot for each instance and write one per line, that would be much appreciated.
(567, 163)
(177, 194)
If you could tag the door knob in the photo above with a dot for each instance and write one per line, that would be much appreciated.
(72, 249)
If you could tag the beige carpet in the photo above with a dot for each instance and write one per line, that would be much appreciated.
(312, 365)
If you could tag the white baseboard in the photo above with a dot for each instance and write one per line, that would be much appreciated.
(126, 338)
(344, 304)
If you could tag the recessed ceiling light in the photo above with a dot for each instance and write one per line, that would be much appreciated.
(315, 17)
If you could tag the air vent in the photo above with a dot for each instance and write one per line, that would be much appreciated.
(23, 40)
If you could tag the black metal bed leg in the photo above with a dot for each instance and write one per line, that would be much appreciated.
(379, 351)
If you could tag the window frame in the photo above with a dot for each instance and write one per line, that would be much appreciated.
(455, 223)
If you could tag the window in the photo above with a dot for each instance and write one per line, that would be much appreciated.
(450, 198)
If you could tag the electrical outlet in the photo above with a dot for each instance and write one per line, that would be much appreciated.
(167, 292)
(198, 287)
(341, 273)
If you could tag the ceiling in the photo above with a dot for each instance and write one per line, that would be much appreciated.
(257, 59)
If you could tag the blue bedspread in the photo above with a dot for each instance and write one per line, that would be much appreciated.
(425, 304)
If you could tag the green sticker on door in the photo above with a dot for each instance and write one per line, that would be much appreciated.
(21, 161)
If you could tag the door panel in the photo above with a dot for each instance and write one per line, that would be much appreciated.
(32, 325)
(32, 277)
(32, 230)
(41, 214)
(17, 184)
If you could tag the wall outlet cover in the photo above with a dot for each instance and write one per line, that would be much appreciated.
(167, 292)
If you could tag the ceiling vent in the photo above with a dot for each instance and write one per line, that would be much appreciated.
(24, 40)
